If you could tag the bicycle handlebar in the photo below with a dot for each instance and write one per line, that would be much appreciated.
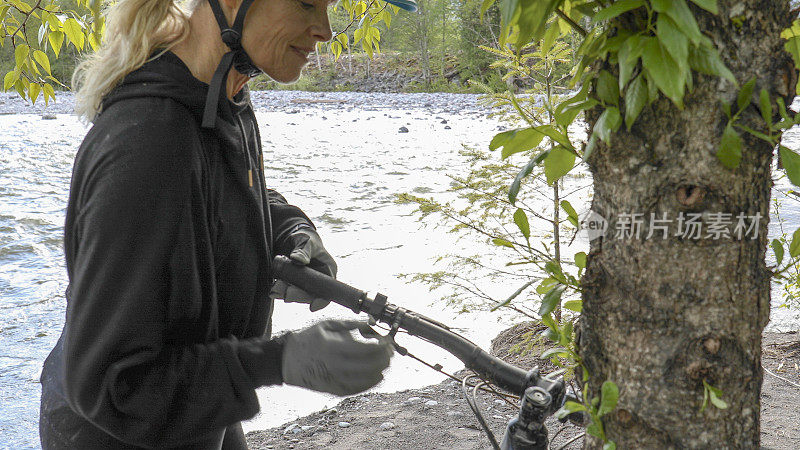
(499, 372)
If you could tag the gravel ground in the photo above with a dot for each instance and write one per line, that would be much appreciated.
(437, 417)
(288, 101)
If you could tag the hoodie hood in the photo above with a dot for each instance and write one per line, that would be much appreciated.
(167, 76)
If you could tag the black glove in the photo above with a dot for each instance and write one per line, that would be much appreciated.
(307, 251)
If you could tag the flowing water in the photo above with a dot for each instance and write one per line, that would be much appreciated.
(341, 158)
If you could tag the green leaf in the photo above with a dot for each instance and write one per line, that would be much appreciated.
(713, 394)
(705, 397)
(34, 89)
(574, 305)
(794, 246)
(792, 46)
(706, 60)
(52, 21)
(777, 247)
(519, 141)
(367, 46)
(553, 133)
(554, 269)
(41, 58)
(569, 408)
(594, 430)
(21, 54)
(500, 139)
(673, 39)
(609, 395)
(791, 164)
(608, 122)
(566, 112)
(56, 39)
(652, 89)
(21, 86)
(513, 190)
(635, 100)
(679, 11)
(610, 445)
(485, 6)
(567, 334)
(718, 402)
(708, 5)
(782, 110)
(545, 286)
(765, 106)
(627, 57)
(607, 88)
(9, 80)
(745, 94)
(580, 260)
(74, 33)
(521, 219)
(730, 148)
(663, 70)
(555, 351)
(616, 9)
(551, 300)
(507, 10)
(502, 243)
(94, 42)
(571, 214)
(552, 328)
(532, 20)
(549, 38)
(558, 163)
(48, 93)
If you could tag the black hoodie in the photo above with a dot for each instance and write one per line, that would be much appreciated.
(168, 250)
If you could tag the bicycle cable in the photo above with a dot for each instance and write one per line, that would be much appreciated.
(439, 368)
(566, 444)
(475, 410)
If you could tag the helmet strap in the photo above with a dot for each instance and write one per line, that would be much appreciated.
(236, 57)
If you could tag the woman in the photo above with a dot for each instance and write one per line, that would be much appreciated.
(170, 232)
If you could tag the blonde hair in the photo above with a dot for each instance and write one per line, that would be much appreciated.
(135, 29)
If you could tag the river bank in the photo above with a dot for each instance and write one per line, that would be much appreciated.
(437, 416)
(342, 157)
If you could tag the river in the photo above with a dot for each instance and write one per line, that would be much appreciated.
(340, 156)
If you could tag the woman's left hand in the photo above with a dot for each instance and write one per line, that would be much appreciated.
(308, 251)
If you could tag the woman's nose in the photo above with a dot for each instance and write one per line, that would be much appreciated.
(322, 29)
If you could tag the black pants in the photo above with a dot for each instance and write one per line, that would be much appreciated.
(60, 428)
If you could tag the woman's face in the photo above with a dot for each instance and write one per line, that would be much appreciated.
(279, 35)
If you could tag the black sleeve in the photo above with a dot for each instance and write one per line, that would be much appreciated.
(140, 261)
(286, 218)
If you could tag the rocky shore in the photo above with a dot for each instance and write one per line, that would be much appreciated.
(286, 101)
(437, 416)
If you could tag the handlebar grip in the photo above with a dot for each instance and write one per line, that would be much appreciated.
(317, 283)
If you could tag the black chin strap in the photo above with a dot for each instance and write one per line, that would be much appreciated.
(236, 57)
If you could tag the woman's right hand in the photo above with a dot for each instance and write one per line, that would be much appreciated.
(326, 357)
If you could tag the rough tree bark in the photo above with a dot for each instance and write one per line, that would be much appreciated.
(661, 316)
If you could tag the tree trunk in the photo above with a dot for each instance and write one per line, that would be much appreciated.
(660, 316)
